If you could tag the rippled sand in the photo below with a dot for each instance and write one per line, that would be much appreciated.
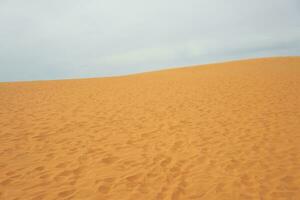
(220, 131)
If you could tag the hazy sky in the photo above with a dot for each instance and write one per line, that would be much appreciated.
(42, 39)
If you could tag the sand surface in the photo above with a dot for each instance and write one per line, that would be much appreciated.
(221, 131)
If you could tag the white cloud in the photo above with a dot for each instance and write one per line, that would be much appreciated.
(64, 38)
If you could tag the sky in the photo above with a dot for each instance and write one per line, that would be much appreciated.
(62, 39)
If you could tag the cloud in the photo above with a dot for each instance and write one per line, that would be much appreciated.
(66, 39)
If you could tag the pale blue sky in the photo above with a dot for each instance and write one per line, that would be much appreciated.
(57, 39)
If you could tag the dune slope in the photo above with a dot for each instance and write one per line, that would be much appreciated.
(220, 131)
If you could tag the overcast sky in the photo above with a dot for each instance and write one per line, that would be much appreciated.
(42, 39)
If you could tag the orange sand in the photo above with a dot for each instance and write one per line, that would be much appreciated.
(220, 131)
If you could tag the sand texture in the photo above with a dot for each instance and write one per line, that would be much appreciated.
(220, 131)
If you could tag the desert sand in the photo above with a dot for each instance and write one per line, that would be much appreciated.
(218, 131)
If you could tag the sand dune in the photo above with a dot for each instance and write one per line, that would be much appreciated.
(220, 131)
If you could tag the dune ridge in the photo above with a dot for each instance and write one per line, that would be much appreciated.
(218, 131)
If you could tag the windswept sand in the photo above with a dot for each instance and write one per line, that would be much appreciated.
(221, 131)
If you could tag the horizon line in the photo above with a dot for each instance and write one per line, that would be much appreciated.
(166, 68)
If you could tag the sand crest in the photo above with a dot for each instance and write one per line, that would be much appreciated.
(220, 131)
